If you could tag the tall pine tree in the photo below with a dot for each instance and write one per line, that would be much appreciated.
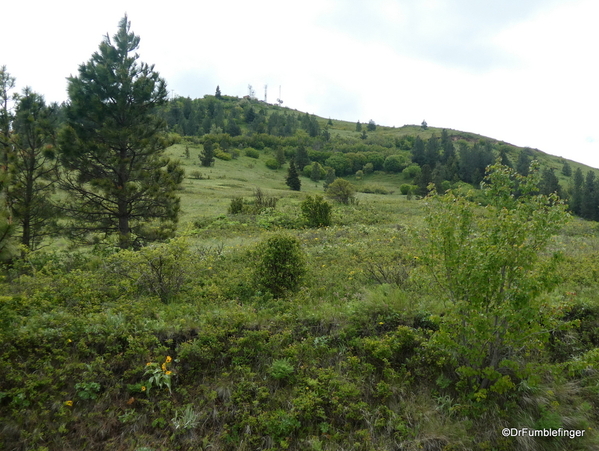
(118, 179)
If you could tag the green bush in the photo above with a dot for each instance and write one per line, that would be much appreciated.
(236, 206)
(252, 153)
(395, 163)
(412, 171)
(342, 191)
(223, 156)
(280, 264)
(406, 189)
(272, 163)
(316, 211)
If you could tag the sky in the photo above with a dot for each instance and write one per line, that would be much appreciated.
(522, 71)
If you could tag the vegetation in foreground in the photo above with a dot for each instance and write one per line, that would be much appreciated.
(283, 320)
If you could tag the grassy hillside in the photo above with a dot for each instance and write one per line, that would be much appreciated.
(178, 346)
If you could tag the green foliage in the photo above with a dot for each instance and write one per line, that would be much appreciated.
(112, 149)
(280, 264)
(406, 189)
(281, 369)
(207, 154)
(158, 375)
(412, 171)
(395, 163)
(316, 211)
(341, 191)
(272, 163)
(485, 264)
(252, 153)
(292, 180)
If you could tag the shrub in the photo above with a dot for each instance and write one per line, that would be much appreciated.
(236, 206)
(375, 189)
(368, 168)
(394, 163)
(272, 163)
(223, 156)
(341, 191)
(280, 264)
(316, 211)
(252, 153)
(412, 171)
(406, 189)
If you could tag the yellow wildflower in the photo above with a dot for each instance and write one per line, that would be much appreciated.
(169, 373)
(68, 403)
(168, 359)
(143, 388)
(148, 364)
(164, 367)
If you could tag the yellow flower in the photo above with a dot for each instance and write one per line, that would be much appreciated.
(68, 403)
(168, 359)
(69, 341)
(169, 372)
(164, 367)
(148, 364)
(143, 388)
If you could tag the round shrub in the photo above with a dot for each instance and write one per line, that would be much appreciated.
(272, 163)
(394, 163)
(252, 153)
(412, 171)
(280, 264)
(342, 191)
(316, 211)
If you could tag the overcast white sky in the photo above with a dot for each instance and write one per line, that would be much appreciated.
(522, 71)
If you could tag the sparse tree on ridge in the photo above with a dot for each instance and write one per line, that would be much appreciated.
(118, 180)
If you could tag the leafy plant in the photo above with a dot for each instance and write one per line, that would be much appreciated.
(280, 264)
(316, 211)
(486, 263)
(159, 375)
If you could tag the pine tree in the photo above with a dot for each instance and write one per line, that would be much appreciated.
(207, 154)
(301, 157)
(293, 181)
(371, 126)
(34, 168)
(576, 200)
(523, 163)
(566, 169)
(117, 177)
(218, 94)
(358, 126)
(329, 178)
(549, 183)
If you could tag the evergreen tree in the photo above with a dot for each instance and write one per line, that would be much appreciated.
(280, 156)
(431, 153)
(523, 163)
(589, 208)
(576, 199)
(549, 183)
(301, 157)
(316, 172)
(418, 152)
(358, 126)
(207, 154)
(424, 125)
(7, 83)
(329, 178)
(218, 94)
(330, 122)
(293, 181)
(566, 169)
(117, 177)
(505, 159)
(371, 126)
(447, 148)
(33, 168)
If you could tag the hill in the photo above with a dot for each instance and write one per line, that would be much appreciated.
(414, 324)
